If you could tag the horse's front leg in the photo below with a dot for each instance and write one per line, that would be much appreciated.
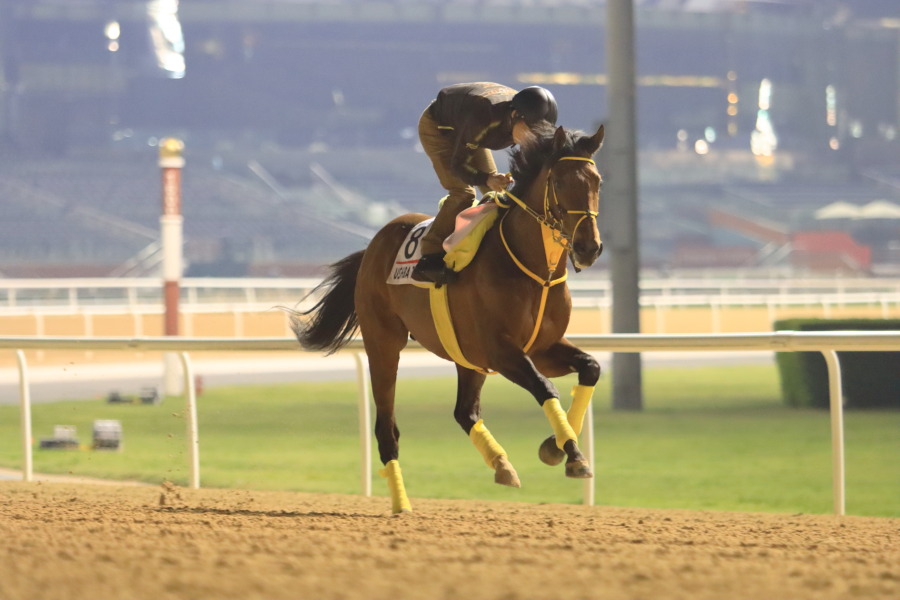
(561, 359)
(468, 415)
(518, 368)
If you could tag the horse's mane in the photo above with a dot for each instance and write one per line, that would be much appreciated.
(527, 160)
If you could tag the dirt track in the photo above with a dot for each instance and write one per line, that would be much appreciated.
(76, 542)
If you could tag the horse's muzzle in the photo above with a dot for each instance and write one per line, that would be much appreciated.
(585, 252)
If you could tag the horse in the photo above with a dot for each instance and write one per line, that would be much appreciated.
(510, 306)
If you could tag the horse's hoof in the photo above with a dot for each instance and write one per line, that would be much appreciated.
(549, 453)
(504, 473)
(578, 469)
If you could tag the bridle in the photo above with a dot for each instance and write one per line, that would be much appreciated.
(550, 217)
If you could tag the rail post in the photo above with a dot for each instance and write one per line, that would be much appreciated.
(365, 424)
(190, 413)
(25, 403)
(836, 405)
(589, 484)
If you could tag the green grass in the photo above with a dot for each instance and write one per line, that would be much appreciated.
(709, 438)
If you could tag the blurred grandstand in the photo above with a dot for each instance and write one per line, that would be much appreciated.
(299, 120)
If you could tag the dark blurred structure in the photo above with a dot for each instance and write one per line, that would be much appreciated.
(299, 120)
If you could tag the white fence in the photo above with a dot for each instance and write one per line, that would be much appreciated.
(198, 293)
(244, 307)
(83, 293)
(828, 343)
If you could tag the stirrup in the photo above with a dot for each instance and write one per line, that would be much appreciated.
(431, 268)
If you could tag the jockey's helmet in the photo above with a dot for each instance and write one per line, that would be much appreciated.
(534, 104)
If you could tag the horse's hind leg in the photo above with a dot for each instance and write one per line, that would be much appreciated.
(383, 342)
(468, 415)
(561, 359)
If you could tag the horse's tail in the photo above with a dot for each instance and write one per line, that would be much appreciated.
(331, 322)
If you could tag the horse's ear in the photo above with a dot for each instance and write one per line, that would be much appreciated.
(592, 144)
(559, 139)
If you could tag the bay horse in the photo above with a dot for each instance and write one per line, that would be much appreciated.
(510, 307)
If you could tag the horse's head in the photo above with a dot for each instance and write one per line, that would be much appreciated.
(573, 191)
(556, 172)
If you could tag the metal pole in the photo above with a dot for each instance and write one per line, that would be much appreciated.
(171, 162)
(25, 401)
(836, 405)
(621, 199)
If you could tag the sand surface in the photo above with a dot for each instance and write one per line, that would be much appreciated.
(70, 541)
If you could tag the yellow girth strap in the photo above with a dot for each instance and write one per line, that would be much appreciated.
(485, 442)
(399, 501)
(443, 322)
(558, 422)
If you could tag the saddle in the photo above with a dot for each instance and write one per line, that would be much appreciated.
(471, 226)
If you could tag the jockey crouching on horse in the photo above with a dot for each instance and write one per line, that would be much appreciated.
(458, 130)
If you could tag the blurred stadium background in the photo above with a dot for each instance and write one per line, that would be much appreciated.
(768, 130)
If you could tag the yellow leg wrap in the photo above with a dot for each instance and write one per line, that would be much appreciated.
(581, 401)
(399, 501)
(558, 422)
(485, 443)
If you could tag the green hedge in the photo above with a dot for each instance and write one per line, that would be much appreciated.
(869, 379)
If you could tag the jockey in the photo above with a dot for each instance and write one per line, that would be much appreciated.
(458, 130)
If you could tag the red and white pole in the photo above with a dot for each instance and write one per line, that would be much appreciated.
(171, 161)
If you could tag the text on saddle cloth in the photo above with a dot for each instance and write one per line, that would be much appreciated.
(409, 254)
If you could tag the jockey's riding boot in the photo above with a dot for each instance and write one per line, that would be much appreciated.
(431, 268)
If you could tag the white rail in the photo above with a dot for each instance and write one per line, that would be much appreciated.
(828, 343)
(593, 298)
(129, 293)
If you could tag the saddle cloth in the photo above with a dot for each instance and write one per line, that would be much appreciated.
(408, 256)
